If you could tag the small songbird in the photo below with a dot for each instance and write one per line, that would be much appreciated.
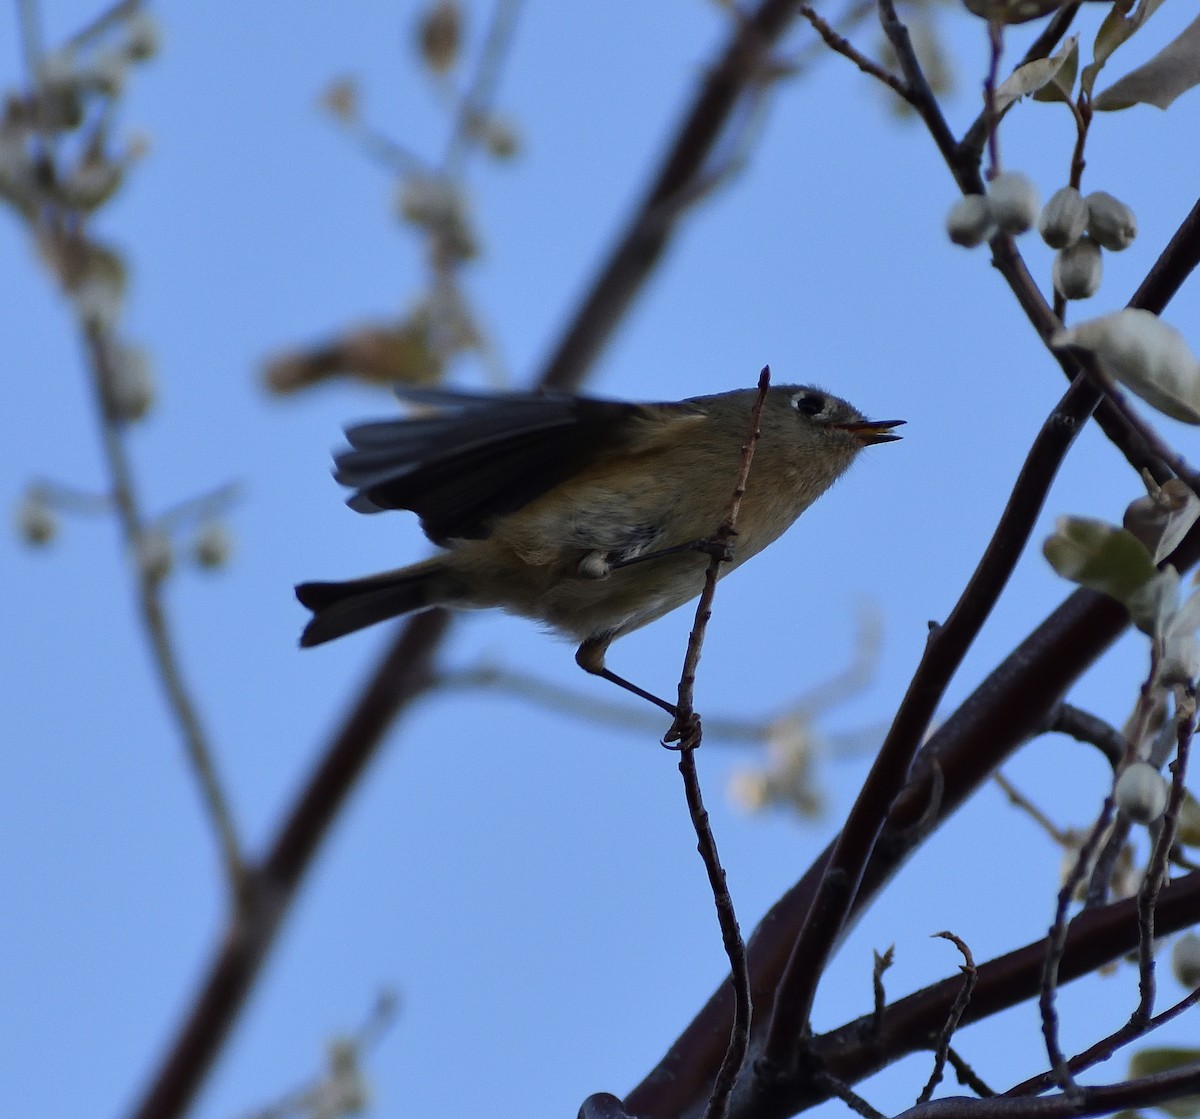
(587, 515)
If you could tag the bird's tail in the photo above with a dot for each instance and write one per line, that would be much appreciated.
(342, 608)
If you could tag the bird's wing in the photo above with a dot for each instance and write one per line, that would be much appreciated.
(476, 457)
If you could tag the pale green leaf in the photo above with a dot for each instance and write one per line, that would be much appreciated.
(1149, 1062)
(1117, 28)
(1171, 72)
(1035, 75)
(1188, 831)
(1060, 87)
(1147, 355)
(1100, 556)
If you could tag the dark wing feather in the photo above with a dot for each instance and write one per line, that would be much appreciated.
(477, 457)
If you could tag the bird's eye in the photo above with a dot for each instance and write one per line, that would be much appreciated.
(809, 403)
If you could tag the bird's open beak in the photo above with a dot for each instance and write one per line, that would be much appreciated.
(873, 431)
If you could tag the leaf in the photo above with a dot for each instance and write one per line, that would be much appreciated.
(1148, 1062)
(1147, 355)
(1100, 556)
(1118, 27)
(1188, 832)
(1174, 70)
(1060, 86)
(1038, 75)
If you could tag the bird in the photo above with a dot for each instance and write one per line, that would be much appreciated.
(594, 517)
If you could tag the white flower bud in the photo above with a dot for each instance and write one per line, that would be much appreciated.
(1144, 353)
(1141, 793)
(1188, 830)
(1181, 662)
(131, 383)
(154, 554)
(36, 522)
(1064, 218)
(1014, 201)
(1110, 221)
(970, 222)
(1078, 270)
(1185, 960)
(213, 545)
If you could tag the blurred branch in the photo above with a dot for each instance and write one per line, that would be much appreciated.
(735, 75)
(98, 347)
(474, 105)
(587, 706)
(1019, 800)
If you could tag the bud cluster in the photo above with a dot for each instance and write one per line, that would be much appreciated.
(1077, 226)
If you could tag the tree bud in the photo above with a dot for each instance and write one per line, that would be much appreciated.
(970, 222)
(1110, 222)
(1185, 960)
(1078, 270)
(1014, 201)
(1141, 793)
(1064, 219)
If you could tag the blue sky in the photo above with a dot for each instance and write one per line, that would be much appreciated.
(526, 881)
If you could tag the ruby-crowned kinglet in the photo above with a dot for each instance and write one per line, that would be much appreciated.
(576, 512)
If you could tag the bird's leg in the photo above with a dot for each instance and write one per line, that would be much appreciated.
(710, 546)
(590, 657)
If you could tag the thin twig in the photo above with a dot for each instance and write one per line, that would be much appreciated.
(1019, 800)
(848, 1096)
(721, 552)
(1083, 726)
(1104, 869)
(921, 95)
(102, 23)
(1055, 946)
(1158, 866)
(995, 51)
(976, 136)
(883, 961)
(843, 46)
(687, 724)
(1099, 1099)
(475, 102)
(966, 1075)
(957, 1010)
(1103, 1049)
(166, 660)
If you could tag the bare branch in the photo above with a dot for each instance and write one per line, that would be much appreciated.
(687, 729)
(957, 1010)
(847, 49)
